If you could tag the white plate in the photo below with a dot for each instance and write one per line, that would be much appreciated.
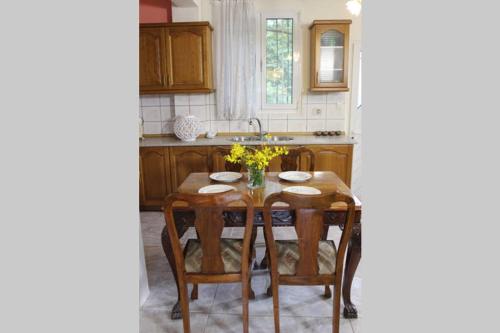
(302, 190)
(216, 189)
(226, 176)
(295, 176)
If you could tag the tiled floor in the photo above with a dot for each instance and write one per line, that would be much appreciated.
(218, 307)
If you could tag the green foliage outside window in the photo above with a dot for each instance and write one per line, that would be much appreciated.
(279, 60)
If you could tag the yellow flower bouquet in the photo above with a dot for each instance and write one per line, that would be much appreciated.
(256, 160)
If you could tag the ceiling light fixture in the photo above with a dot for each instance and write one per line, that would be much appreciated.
(354, 7)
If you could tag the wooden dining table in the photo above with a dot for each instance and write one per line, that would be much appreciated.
(325, 181)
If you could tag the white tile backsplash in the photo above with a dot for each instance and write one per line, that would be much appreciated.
(150, 100)
(182, 110)
(335, 97)
(152, 127)
(198, 99)
(205, 127)
(159, 112)
(167, 127)
(278, 115)
(298, 115)
(238, 126)
(181, 99)
(220, 125)
(151, 113)
(335, 125)
(167, 113)
(335, 111)
(316, 111)
(315, 125)
(316, 98)
(200, 111)
(166, 100)
(277, 125)
(297, 125)
(211, 98)
(212, 112)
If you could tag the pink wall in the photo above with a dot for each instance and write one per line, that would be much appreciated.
(155, 11)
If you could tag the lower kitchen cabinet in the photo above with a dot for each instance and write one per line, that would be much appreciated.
(154, 177)
(185, 160)
(336, 158)
(163, 169)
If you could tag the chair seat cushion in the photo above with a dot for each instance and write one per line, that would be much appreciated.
(288, 256)
(230, 252)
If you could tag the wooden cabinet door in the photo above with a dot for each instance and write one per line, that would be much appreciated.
(329, 55)
(185, 160)
(152, 59)
(155, 176)
(189, 55)
(336, 158)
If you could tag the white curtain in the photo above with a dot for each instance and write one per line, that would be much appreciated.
(235, 58)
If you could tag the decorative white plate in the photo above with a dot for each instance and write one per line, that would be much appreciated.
(226, 176)
(216, 189)
(295, 176)
(302, 190)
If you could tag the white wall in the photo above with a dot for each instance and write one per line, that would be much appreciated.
(316, 111)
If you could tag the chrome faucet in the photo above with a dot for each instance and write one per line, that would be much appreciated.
(261, 134)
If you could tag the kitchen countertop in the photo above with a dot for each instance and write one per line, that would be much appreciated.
(225, 141)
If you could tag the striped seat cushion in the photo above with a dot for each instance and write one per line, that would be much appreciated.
(230, 252)
(288, 256)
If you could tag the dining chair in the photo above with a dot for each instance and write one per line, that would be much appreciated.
(210, 258)
(228, 166)
(292, 161)
(308, 260)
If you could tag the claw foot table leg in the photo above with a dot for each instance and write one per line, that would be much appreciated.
(352, 260)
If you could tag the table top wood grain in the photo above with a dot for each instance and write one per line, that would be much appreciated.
(325, 181)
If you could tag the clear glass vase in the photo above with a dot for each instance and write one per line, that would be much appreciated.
(255, 178)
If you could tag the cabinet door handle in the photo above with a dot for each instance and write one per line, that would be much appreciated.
(317, 77)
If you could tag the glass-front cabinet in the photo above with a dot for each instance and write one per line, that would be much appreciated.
(329, 55)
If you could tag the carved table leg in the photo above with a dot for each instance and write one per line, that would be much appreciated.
(324, 236)
(353, 257)
(167, 248)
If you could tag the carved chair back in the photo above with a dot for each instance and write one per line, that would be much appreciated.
(228, 166)
(292, 161)
(209, 223)
(309, 213)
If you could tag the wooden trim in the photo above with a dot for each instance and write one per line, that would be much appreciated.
(176, 91)
(313, 89)
(177, 24)
(318, 22)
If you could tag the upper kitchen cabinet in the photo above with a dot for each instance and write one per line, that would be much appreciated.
(153, 60)
(329, 55)
(181, 60)
(189, 54)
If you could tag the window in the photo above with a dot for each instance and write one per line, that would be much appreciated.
(279, 61)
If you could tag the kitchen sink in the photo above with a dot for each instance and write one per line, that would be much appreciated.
(256, 138)
(244, 138)
(280, 138)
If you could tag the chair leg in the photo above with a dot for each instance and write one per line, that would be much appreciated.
(336, 308)
(245, 292)
(328, 292)
(194, 292)
(276, 305)
(184, 305)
